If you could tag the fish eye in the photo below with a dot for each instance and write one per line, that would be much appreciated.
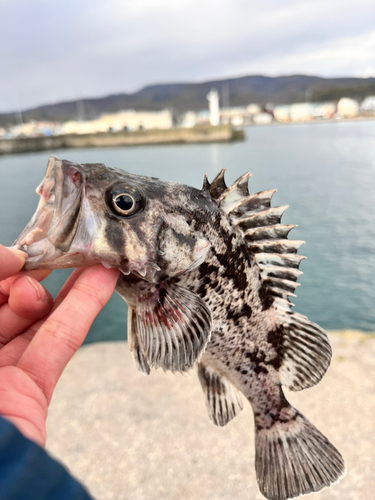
(124, 201)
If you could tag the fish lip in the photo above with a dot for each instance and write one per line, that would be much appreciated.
(69, 188)
(43, 236)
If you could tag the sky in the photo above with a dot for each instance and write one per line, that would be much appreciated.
(61, 50)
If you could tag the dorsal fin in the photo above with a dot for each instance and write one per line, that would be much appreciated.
(206, 184)
(303, 348)
(261, 227)
(241, 184)
(218, 185)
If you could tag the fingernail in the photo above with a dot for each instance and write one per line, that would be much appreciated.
(38, 288)
(17, 252)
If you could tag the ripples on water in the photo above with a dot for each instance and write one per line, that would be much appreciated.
(325, 172)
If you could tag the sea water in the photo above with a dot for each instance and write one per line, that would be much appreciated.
(325, 172)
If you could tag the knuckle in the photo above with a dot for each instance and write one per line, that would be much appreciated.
(68, 333)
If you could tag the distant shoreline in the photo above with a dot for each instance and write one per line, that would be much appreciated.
(195, 135)
(314, 122)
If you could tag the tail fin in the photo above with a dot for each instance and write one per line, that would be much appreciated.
(293, 458)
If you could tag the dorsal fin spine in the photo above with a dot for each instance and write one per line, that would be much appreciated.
(283, 294)
(281, 260)
(250, 203)
(206, 184)
(218, 185)
(270, 216)
(278, 271)
(282, 246)
(275, 231)
(240, 186)
(287, 285)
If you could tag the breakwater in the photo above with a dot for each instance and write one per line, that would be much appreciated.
(206, 134)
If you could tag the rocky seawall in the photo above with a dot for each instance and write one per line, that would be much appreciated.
(126, 436)
(221, 133)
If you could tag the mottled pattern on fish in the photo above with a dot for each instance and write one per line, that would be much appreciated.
(207, 275)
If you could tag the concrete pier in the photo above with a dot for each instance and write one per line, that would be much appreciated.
(204, 134)
(127, 436)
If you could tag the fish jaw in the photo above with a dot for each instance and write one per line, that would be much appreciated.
(48, 236)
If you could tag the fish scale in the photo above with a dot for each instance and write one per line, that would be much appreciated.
(207, 276)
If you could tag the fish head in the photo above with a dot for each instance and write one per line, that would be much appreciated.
(89, 214)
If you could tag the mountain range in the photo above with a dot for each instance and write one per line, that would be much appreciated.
(181, 97)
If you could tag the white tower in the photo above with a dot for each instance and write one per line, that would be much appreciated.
(213, 105)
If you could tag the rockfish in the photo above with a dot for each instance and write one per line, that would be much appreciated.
(207, 275)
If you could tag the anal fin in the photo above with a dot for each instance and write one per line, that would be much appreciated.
(223, 399)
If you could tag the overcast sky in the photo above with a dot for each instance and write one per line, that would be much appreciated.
(54, 50)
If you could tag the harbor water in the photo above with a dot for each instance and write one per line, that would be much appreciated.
(324, 172)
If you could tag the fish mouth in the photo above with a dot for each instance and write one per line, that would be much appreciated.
(49, 234)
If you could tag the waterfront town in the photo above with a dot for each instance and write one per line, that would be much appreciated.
(239, 116)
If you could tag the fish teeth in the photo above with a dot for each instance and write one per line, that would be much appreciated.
(142, 272)
(154, 266)
(107, 265)
(22, 248)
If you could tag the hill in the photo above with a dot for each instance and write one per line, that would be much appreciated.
(182, 97)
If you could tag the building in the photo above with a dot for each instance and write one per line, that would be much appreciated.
(302, 112)
(282, 113)
(123, 120)
(347, 108)
(136, 120)
(188, 119)
(33, 129)
(262, 118)
(236, 116)
(253, 109)
(299, 112)
(325, 110)
(368, 105)
(83, 127)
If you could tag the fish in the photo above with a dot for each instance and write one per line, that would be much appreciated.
(207, 275)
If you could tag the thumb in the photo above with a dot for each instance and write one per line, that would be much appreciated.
(11, 261)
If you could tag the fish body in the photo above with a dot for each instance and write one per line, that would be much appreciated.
(207, 275)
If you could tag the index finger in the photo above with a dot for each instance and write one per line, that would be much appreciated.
(66, 328)
(11, 261)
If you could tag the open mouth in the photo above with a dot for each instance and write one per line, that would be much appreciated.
(52, 228)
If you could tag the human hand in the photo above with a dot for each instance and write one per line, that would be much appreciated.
(38, 336)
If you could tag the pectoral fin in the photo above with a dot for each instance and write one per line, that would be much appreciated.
(169, 325)
(134, 344)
